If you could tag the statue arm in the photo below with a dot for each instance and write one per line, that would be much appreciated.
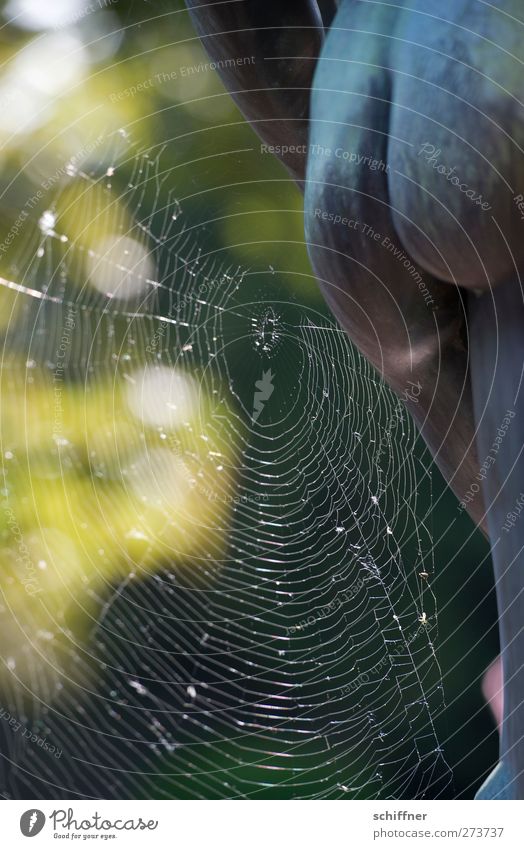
(266, 55)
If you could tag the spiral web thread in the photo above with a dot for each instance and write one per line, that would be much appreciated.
(239, 603)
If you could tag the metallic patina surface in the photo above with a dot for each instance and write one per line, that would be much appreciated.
(403, 125)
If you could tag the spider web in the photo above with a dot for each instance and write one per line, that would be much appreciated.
(216, 578)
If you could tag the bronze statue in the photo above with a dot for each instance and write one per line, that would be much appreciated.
(403, 126)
